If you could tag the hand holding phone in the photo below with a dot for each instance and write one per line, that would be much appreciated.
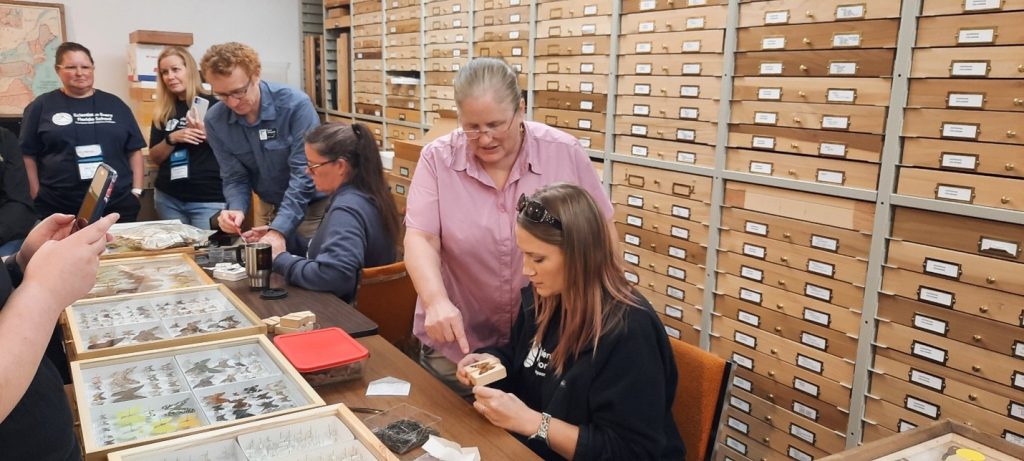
(198, 110)
(96, 197)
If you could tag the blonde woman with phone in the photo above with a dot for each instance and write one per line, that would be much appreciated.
(188, 183)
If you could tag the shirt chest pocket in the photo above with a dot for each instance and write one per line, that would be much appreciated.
(278, 146)
(275, 162)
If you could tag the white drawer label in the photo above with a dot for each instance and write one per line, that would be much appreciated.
(760, 168)
(456, 53)
(927, 380)
(674, 312)
(942, 268)
(514, 18)
(801, 433)
(587, 68)
(696, 2)
(743, 361)
(805, 411)
(956, 194)
(769, 94)
(639, 130)
(806, 387)
(583, 124)
(831, 177)
(643, 69)
(959, 161)
(824, 243)
(588, 29)
(920, 406)
(588, 48)
(815, 291)
(798, 455)
(845, 40)
(773, 43)
(680, 211)
(977, 5)
(957, 130)
(762, 142)
(1000, 247)
(686, 157)
(1011, 437)
(641, 109)
(689, 91)
(834, 122)
(635, 200)
(1016, 411)
(766, 118)
(517, 51)
(584, 141)
(632, 239)
(751, 273)
(929, 324)
(586, 105)
(455, 68)
(756, 228)
(840, 95)
(771, 68)
(748, 318)
(680, 232)
(829, 149)
(634, 221)
(736, 445)
(683, 134)
(969, 69)
(933, 296)
(676, 252)
(457, 23)
(928, 352)
(631, 277)
(968, 100)
(842, 68)
(820, 318)
(590, 10)
(691, 46)
(776, 17)
(742, 383)
(675, 333)
(744, 339)
(738, 425)
(695, 23)
(1018, 379)
(747, 294)
(850, 11)
(675, 293)
(1018, 349)
(905, 426)
(814, 341)
(691, 69)
(631, 258)
(648, 5)
(643, 47)
(646, 26)
(966, 36)
(689, 113)
(641, 88)
(819, 267)
(754, 250)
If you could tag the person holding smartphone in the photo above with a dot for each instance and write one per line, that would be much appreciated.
(67, 133)
(188, 184)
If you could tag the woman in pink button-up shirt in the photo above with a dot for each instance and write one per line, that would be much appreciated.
(460, 247)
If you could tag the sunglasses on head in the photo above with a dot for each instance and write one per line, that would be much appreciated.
(535, 211)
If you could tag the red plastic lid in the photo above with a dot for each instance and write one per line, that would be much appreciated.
(317, 350)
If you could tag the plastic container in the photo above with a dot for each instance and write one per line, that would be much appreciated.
(403, 428)
(324, 356)
(387, 159)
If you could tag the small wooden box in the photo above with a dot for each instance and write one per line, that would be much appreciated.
(157, 37)
(934, 439)
(147, 273)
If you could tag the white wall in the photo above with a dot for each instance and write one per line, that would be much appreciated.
(271, 27)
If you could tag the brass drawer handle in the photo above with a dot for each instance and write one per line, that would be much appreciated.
(990, 280)
(1009, 167)
(806, 41)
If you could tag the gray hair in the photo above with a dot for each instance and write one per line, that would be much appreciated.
(488, 76)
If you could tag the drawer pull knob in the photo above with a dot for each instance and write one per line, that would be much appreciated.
(654, 246)
(806, 41)
(1018, 102)
(794, 146)
(661, 132)
(1004, 200)
(976, 368)
(664, 68)
(1011, 133)
(976, 338)
(983, 309)
(568, 104)
(775, 351)
(782, 283)
(663, 91)
(650, 284)
(796, 120)
(1009, 167)
(654, 226)
(785, 235)
(767, 440)
(778, 329)
(768, 418)
(664, 46)
(771, 396)
(990, 280)
(771, 373)
(668, 26)
(780, 306)
(972, 397)
(784, 259)
(803, 68)
(802, 94)
(651, 265)
(809, 14)
(661, 111)
(1020, 68)
(656, 207)
(792, 172)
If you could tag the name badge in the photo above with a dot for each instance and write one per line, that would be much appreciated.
(267, 134)
(89, 158)
(179, 164)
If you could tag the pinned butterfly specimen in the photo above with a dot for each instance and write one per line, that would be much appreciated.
(201, 368)
(128, 394)
(148, 335)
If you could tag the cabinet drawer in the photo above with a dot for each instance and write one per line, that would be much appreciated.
(1004, 95)
(435, 105)
(368, 31)
(810, 260)
(672, 130)
(694, 87)
(404, 133)
(367, 19)
(638, 6)
(939, 7)
(973, 62)
(369, 76)
(837, 90)
(592, 121)
(673, 268)
(587, 139)
(514, 48)
(695, 41)
(663, 284)
(565, 9)
(988, 158)
(668, 151)
(440, 78)
(706, 64)
(708, 17)
(960, 233)
(503, 32)
(964, 267)
(786, 397)
(879, 33)
(455, 50)
(499, 16)
(802, 283)
(688, 234)
(367, 7)
(367, 87)
(367, 44)
(831, 144)
(596, 103)
(839, 117)
(892, 417)
(964, 125)
(779, 440)
(572, 65)
(576, 27)
(834, 342)
(403, 52)
(705, 110)
(990, 304)
(798, 232)
(844, 213)
(673, 308)
(399, 186)
(498, 4)
(784, 420)
(376, 99)
(400, 4)
(437, 8)
(440, 92)
(453, 23)
(809, 11)
(371, 54)
(403, 13)
(368, 108)
(404, 115)
(669, 205)
(407, 26)
(403, 102)
(962, 188)
(662, 244)
(978, 29)
(825, 63)
(802, 168)
(408, 39)
(403, 64)
(451, 65)
(791, 304)
(572, 46)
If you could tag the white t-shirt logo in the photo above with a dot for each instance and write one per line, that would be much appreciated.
(61, 118)
(539, 358)
(531, 358)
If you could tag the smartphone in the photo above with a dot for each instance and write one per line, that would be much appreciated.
(199, 107)
(96, 197)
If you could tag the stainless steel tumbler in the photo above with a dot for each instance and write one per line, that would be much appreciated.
(258, 265)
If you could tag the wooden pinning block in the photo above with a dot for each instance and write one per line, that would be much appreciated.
(283, 330)
(271, 323)
(298, 319)
(485, 372)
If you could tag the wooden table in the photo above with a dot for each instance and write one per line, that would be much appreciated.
(330, 310)
(459, 421)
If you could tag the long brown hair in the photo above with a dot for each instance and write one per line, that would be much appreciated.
(357, 146)
(165, 99)
(596, 293)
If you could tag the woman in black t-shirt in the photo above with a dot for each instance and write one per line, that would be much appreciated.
(66, 133)
(188, 184)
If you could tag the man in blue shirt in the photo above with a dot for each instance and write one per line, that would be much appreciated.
(256, 135)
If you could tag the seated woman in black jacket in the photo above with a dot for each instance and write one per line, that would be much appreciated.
(590, 370)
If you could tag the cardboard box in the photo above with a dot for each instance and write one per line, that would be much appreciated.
(158, 37)
(410, 150)
(142, 62)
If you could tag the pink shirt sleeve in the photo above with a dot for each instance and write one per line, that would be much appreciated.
(421, 209)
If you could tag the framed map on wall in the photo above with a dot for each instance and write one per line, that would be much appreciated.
(30, 33)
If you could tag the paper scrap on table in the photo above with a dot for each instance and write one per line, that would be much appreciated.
(388, 386)
(446, 450)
